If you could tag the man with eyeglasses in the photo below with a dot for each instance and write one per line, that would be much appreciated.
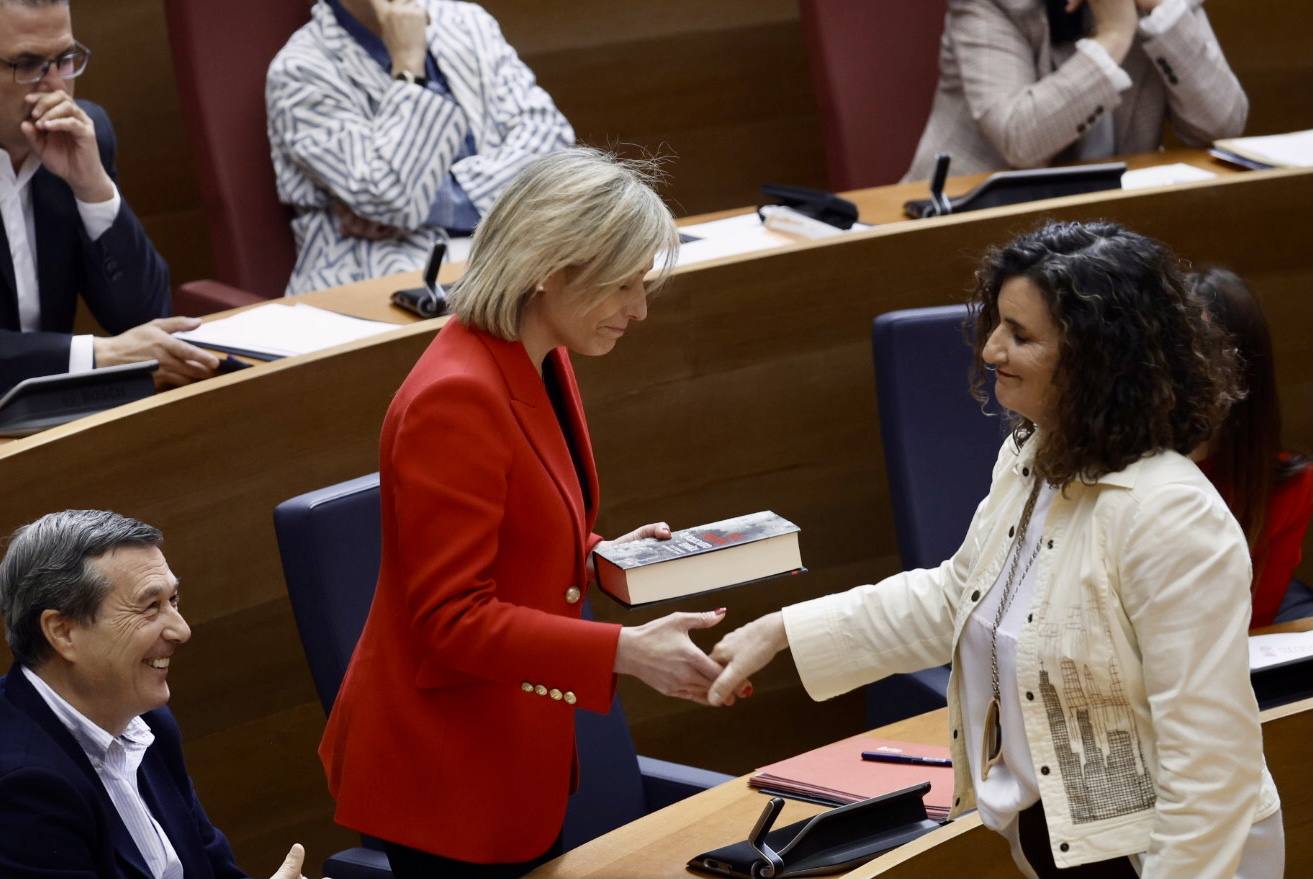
(66, 230)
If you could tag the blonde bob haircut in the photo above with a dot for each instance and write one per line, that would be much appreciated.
(581, 210)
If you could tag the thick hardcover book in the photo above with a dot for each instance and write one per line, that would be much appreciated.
(714, 556)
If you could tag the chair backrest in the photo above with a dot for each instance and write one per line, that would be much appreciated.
(330, 541)
(874, 66)
(221, 50)
(939, 448)
(610, 792)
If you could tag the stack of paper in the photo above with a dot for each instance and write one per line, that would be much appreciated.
(737, 235)
(1294, 150)
(731, 236)
(268, 332)
(836, 774)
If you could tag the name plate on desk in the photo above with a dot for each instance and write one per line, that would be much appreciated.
(49, 400)
(1281, 667)
(831, 842)
(1032, 184)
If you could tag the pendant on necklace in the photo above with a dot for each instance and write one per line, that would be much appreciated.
(991, 742)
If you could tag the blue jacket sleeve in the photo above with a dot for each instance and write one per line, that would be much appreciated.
(25, 355)
(44, 821)
(125, 281)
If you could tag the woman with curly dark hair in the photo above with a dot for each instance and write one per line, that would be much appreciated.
(1096, 614)
(1269, 490)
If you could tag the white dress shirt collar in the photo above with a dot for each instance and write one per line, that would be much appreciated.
(20, 230)
(116, 760)
(19, 180)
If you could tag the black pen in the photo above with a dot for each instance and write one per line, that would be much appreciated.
(908, 759)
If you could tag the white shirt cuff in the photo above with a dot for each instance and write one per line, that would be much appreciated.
(1163, 18)
(82, 354)
(98, 217)
(1121, 80)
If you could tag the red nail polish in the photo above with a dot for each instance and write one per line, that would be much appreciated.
(747, 691)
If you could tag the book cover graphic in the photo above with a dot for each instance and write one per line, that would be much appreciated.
(696, 541)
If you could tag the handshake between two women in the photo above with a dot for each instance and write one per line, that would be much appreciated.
(662, 655)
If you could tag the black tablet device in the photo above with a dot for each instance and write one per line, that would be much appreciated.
(37, 403)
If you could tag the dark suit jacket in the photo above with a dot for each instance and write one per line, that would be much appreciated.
(122, 277)
(56, 820)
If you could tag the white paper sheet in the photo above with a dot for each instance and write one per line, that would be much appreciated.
(277, 330)
(1279, 648)
(732, 236)
(1164, 175)
(1293, 150)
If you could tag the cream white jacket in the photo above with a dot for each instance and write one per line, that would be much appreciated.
(1132, 668)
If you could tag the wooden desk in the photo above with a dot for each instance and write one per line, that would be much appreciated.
(749, 387)
(658, 845)
(1301, 625)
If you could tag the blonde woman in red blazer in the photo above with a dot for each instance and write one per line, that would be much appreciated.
(452, 738)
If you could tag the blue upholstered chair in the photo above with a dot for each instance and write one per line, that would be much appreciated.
(939, 451)
(330, 543)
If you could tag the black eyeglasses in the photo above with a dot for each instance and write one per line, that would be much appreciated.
(70, 65)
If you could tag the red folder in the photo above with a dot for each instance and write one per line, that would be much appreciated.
(836, 774)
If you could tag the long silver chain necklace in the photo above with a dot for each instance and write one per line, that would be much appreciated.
(991, 745)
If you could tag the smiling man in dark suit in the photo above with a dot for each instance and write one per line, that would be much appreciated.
(92, 779)
(64, 228)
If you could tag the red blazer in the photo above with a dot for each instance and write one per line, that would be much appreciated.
(1279, 547)
(453, 732)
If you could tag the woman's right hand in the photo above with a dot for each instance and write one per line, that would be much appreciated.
(744, 652)
(663, 656)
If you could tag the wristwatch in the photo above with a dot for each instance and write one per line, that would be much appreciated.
(407, 76)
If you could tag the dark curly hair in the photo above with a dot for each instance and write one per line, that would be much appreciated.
(1139, 368)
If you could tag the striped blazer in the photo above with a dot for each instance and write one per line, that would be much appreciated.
(340, 128)
(1005, 101)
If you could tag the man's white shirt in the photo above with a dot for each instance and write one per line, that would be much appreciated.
(116, 760)
(20, 228)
